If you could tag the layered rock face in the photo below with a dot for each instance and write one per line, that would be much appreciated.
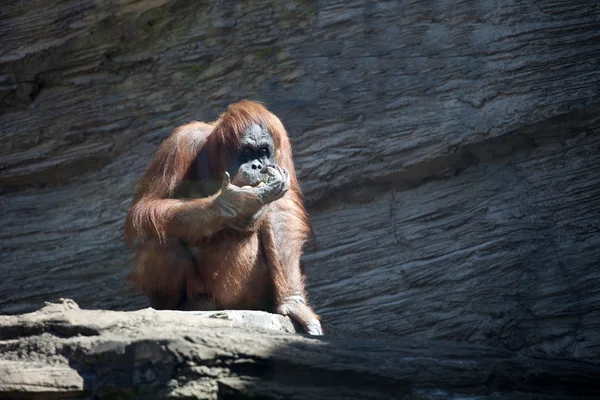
(449, 153)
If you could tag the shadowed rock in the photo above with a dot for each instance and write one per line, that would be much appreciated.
(62, 352)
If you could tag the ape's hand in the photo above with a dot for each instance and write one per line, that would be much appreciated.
(245, 201)
(276, 185)
(238, 201)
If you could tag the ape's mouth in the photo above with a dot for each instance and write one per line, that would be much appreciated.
(262, 179)
(252, 178)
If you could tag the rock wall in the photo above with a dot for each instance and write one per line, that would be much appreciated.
(449, 152)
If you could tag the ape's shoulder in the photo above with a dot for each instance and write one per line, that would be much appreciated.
(193, 133)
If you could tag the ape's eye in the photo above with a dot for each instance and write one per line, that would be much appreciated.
(246, 152)
(264, 152)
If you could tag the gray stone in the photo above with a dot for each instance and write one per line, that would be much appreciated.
(62, 352)
(449, 153)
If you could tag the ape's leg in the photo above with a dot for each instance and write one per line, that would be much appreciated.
(165, 273)
(283, 260)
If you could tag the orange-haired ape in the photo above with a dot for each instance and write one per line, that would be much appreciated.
(204, 242)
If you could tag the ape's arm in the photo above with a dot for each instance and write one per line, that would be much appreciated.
(155, 213)
(173, 218)
(194, 219)
(284, 234)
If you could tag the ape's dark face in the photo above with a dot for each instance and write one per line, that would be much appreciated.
(257, 150)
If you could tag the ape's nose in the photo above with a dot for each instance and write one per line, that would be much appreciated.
(256, 165)
(266, 166)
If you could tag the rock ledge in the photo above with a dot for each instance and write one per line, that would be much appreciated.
(62, 352)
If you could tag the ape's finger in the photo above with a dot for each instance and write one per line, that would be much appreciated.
(274, 181)
(313, 327)
(271, 171)
(279, 170)
(226, 181)
(287, 177)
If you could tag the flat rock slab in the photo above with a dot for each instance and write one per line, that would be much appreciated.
(62, 352)
(66, 318)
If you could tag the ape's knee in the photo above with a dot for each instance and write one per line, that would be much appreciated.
(162, 271)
